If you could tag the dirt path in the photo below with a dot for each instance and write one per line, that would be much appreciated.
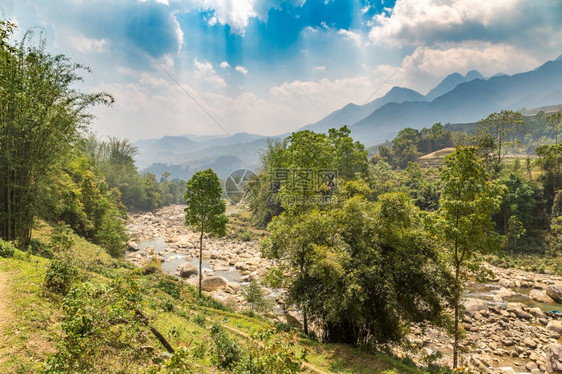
(5, 314)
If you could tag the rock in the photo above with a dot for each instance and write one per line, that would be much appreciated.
(537, 312)
(531, 365)
(213, 283)
(540, 296)
(507, 370)
(132, 246)
(555, 292)
(147, 348)
(554, 358)
(471, 306)
(506, 283)
(555, 326)
(291, 320)
(521, 313)
(187, 270)
(151, 269)
(507, 342)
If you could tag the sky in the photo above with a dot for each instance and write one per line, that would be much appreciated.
(211, 67)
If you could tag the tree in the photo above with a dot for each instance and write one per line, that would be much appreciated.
(361, 270)
(42, 112)
(554, 121)
(468, 199)
(504, 127)
(205, 208)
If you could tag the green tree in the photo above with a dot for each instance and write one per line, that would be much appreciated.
(468, 199)
(350, 157)
(553, 122)
(504, 127)
(361, 270)
(205, 208)
(42, 111)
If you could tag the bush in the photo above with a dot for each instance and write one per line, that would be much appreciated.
(271, 351)
(170, 287)
(245, 236)
(98, 318)
(254, 295)
(200, 320)
(39, 248)
(7, 249)
(227, 351)
(60, 275)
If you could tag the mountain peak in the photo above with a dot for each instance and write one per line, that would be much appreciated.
(559, 58)
(473, 74)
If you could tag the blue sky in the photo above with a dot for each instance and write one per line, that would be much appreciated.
(272, 66)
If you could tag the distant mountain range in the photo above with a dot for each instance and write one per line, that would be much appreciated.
(456, 99)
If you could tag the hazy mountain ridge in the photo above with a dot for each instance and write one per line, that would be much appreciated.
(467, 102)
(468, 99)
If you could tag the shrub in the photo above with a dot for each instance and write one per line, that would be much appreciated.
(7, 249)
(170, 287)
(255, 296)
(227, 351)
(62, 238)
(271, 351)
(245, 236)
(95, 320)
(179, 362)
(39, 248)
(60, 275)
(199, 319)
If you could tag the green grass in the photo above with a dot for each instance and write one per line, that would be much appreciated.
(35, 323)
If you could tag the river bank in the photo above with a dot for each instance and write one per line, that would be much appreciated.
(509, 322)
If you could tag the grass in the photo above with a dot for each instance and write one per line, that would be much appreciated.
(36, 316)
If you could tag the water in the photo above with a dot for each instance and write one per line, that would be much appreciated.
(487, 291)
(173, 260)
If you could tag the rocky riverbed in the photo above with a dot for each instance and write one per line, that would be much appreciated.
(227, 263)
(509, 321)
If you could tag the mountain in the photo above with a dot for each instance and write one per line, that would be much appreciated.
(182, 156)
(352, 113)
(467, 102)
(450, 82)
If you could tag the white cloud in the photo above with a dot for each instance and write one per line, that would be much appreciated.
(418, 21)
(236, 13)
(82, 44)
(224, 65)
(206, 72)
(427, 66)
(319, 68)
(241, 69)
(350, 35)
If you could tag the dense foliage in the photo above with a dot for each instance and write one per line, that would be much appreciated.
(41, 115)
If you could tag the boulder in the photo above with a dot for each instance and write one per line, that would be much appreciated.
(555, 292)
(555, 326)
(213, 283)
(471, 306)
(132, 246)
(554, 358)
(187, 270)
(540, 296)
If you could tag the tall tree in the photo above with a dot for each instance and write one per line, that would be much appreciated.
(41, 113)
(468, 199)
(504, 127)
(553, 122)
(205, 208)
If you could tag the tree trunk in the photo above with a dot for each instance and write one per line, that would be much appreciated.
(200, 261)
(305, 320)
(456, 307)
